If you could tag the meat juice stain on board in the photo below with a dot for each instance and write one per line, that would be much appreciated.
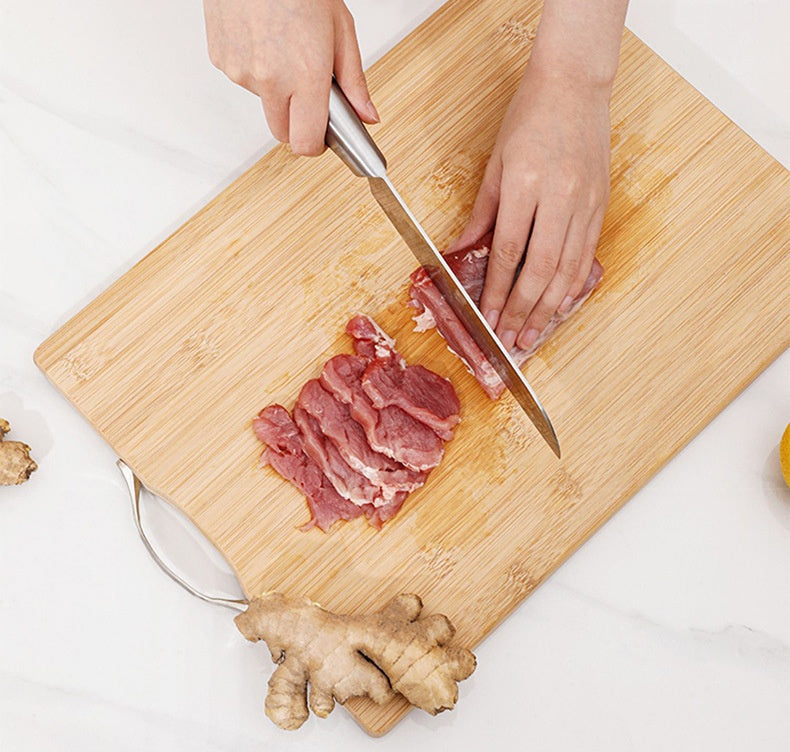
(452, 185)
(468, 475)
(640, 195)
(360, 275)
(518, 32)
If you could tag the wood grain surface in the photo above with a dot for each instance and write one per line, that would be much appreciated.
(248, 299)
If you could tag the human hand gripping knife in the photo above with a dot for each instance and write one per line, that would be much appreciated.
(349, 139)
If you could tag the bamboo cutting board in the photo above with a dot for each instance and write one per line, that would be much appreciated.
(246, 301)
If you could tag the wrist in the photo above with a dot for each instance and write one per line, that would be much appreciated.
(578, 43)
(576, 81)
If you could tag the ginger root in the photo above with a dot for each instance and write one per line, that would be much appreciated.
(344, 656)
(16, 464)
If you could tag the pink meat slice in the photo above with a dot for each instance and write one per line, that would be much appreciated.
(349, 483)
(335, 422)
(470, 265)
(434, 312)
(389, 381)
(377, 516)
(349, 456)
(419, 392)
(285, 453)
(371, 341)
(389, 431)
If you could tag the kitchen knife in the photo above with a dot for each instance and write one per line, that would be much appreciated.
(349, 139)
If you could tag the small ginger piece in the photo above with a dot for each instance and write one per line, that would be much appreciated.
(344, 656)
(16, 465)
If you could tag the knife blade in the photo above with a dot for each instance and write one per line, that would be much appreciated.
(348, 138)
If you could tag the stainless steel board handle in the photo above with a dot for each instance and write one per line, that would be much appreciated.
(134, 486)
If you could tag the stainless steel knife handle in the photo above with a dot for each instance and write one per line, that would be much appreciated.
(349, 139)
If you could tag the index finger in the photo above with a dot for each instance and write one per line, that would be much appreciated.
(513, 223)
(309, 115)
(540, 266)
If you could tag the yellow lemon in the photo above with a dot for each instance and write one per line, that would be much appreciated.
(784, 454)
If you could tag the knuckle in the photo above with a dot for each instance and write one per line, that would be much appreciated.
(513, 321)
(596, 199)
(359, 81)
(234, 71)
(347, 19)
(264, 77)
(567, 185)
(539, 320)
(489, 188)
(542, 267)
(575, 288)
(307, 147)
(578, 280)
(539, 316)
(568, 269)
(516, 311)
(508, 254)
(531, 180)
(214, 54)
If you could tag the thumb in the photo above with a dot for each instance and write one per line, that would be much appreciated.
(348, 70)
(483, 215)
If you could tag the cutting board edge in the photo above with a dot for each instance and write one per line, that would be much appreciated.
(40, 356)
(151, 488)
(707, 99)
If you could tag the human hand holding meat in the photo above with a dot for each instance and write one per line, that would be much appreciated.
(546, 185)
(286, 53)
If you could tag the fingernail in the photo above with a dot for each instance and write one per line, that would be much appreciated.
(508, 339)
(566, 304)
(372, 111)
(492, 317)
(527, 339)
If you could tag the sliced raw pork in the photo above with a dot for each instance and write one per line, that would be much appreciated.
(390, 430)
(349, 483)
(285, 453)
(470, 265)
(421, 393)
(371, 341)
(352, 454)
(337, 425)
(388, 381)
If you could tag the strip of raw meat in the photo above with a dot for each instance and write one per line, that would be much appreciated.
(348, 482)
(388, 381)
(470, 265)
(285, 453)
(435, 312)
(419, 392)
(370, 340)
(387, 511)
(336, 423)
(347, 456)
(390, 431)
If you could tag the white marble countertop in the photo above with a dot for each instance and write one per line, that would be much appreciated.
(669, 629)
